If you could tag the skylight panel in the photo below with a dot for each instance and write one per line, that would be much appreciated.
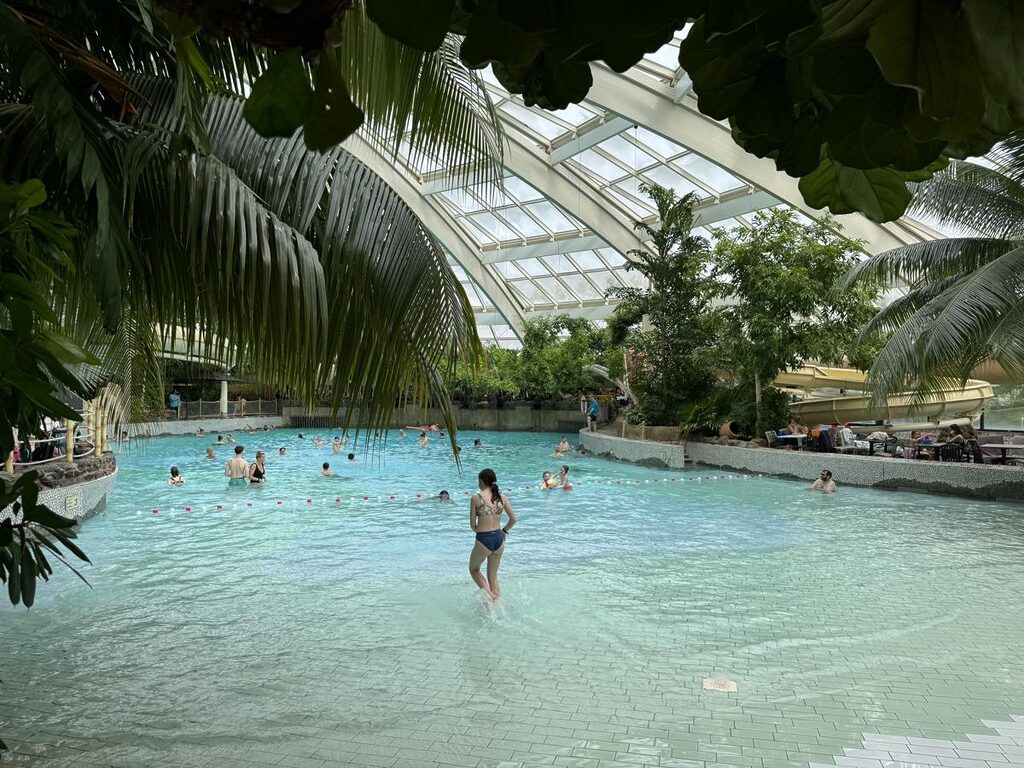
(532, 120)
(553, 218)
(664, 176)
(533, 267)
(600, 166)
(626, 152)
(555, 289)
(582, 287)
(715, 177)
(522, 223)
(492, 226)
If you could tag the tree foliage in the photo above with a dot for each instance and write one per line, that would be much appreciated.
(854, 97)
(961, 299)
(670, 325)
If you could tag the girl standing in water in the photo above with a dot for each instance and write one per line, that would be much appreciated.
(485, 509)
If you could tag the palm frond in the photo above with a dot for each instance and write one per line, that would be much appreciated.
(974, 198)
(427, 104)
(920, 263)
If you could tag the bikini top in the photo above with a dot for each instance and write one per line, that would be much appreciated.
(493, 509)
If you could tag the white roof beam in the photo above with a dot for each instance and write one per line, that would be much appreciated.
(440, 225)
(548, 248)
(592, 312)
(730, 206)
(573, 145)
(455, 178)
(647, 103)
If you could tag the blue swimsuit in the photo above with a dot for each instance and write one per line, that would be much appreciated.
(493, 540)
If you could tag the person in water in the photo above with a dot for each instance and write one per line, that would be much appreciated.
(563, 446)
(547, 481)
(563, 478)
(326, 471)
(237, 468)
(281, 451)
(257, 471)
(231, 439)
(336, 445)
(423, 439)
(209, 452)
(581, 451)
(318, 441)
(824, 483)
(477, 443)
(351, 457)
(220, 440)
(401, 432)
(176, 477)
(485, 508)
(443, 496)
(200, 431)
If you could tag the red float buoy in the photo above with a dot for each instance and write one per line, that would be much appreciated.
(337, 501)
(280, 503)
(156, 511)
(309, 501)
(188, 509)
(220, 507)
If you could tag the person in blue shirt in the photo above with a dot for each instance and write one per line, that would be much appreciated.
(174, 401)
(593, 411)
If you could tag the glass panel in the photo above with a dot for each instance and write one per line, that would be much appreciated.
(579, 285)
(667, 56)
(600, 166)
(553, 218)
(492, 195)
(485, 334)
(502, 332)
(587, 260)
(612, 257)
(533, 267)
(559, 264)
(636, 208)
(626, 152)
(532, 120)
(661, 145)
(508, 270)
(478, 235)
(604, 280)
(492, 226)
(521, 221)
(632, 278)
(461, 200)
(530, 293)
(717, 178)
(666, 177)
(555, 289)
(575, 115)
(521, 191)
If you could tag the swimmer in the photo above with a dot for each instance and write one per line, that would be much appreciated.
(248, 428)
(326, 471)
(209, 452)
(257, 471)
(581, 451)
(547, 481)
(231, 439)
(423, 440)
(124, 437)
(376, 435)
(266, 427)
(237, 468)
(563, 478)
(351, 457)
(301, 436)
(344, 440)
(485, 508)
(176, 477)
(401, 432)
(563, 446)
(434, 428)
(477, 443)
(281, 451)
(336, 445)
(200, 432)
(220, 440)
(443, 496)
(318, 441)
(824, 483)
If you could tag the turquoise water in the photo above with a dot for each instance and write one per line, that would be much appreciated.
(348, 632)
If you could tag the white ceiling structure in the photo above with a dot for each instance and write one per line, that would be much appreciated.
(552, 240)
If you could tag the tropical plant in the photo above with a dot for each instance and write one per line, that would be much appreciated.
(961, 297)
(556, 355)
(673, 357)
(191, 225)
(778, 277)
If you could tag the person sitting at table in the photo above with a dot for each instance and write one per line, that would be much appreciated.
(796, 428)
(956, 435)
(878, 436)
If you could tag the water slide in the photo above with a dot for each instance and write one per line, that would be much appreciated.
(823, 407)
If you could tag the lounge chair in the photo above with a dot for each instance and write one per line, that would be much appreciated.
(850, 444)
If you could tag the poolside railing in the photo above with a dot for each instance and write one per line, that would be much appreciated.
(208, 409)
(75, 439)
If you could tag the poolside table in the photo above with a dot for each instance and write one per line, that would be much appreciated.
(1002, 448)
(797, 439)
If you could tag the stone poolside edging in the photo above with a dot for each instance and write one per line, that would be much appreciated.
(79, 501)
(984, 481)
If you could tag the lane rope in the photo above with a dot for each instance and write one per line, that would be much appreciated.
(410, 498)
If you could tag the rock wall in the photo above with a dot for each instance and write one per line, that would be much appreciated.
(74, 490)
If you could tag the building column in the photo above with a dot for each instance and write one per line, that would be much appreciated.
(69, 441)
(224, 397)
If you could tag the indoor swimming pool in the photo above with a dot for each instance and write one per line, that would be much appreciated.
(649, 618)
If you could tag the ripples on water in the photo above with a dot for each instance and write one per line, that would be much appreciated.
(222, 625)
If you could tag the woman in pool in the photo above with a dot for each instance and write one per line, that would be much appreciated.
(257, 470)
(485, 508)
(209, 453)
(563, 478)
(423, 440)
(176, 477)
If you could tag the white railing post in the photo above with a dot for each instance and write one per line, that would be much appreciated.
(224, 397)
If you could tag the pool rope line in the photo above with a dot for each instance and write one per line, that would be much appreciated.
(410, 498)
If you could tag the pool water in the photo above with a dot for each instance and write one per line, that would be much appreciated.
(345, 630)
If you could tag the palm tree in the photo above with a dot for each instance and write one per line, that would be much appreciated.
(962, 299)
(304, 265)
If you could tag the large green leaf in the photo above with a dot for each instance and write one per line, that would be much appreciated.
(421, 24)
(332, 115)
(881, 194)
(281, 98)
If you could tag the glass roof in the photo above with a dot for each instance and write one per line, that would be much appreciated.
(548, 249)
